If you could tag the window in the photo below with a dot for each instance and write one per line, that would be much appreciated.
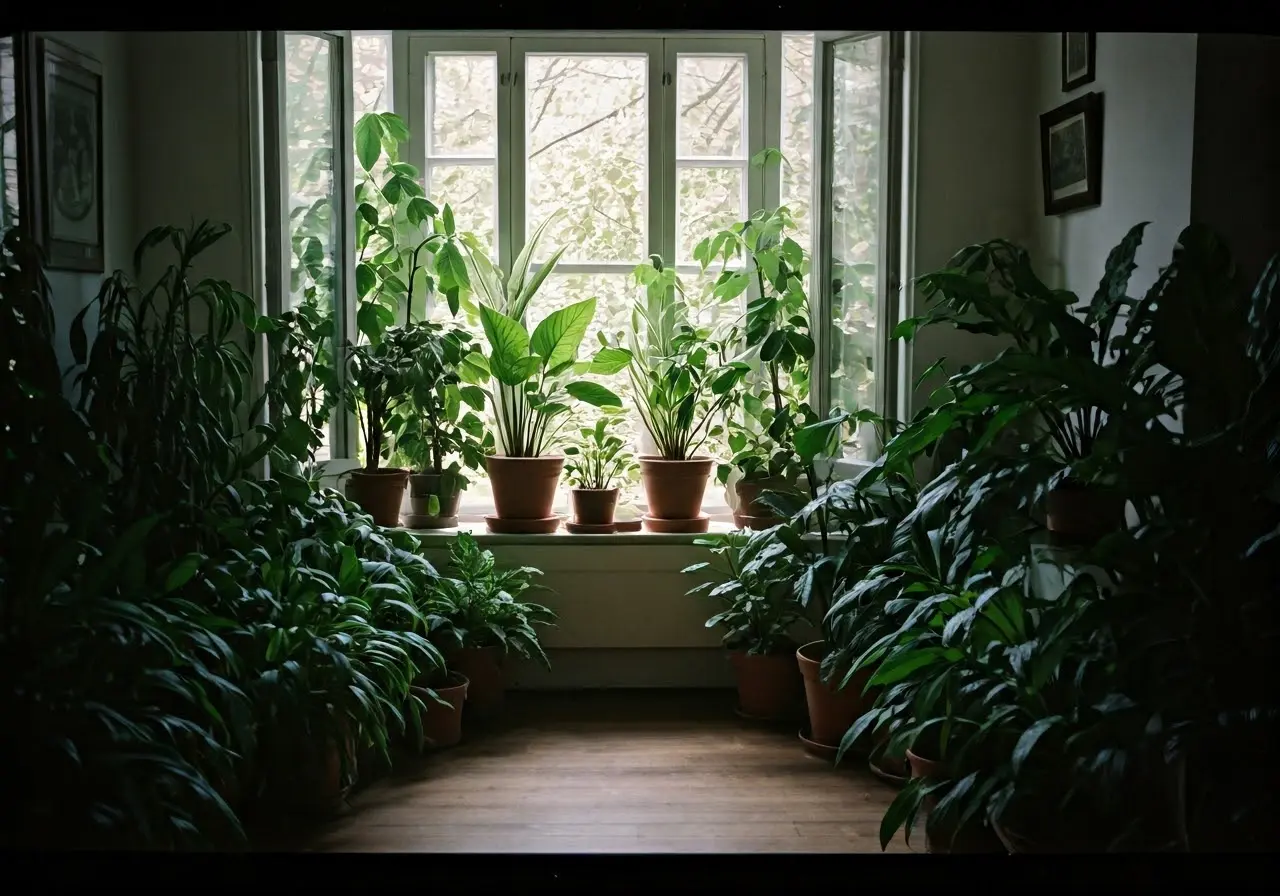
(629, 145)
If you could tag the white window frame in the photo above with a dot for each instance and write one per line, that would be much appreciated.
(277, 232)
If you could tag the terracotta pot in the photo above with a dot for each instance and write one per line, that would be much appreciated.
(487, 685)
(447, 490)
(379, 493)
(675, 488)
(769, 685)
(524, 488)
(442, 725)
(832, 712)
(1083, 513)
(749, 497)
(593, 506)
(975, 837)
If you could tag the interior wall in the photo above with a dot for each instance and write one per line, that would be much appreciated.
(1148, 87)
(1235, 176)
(975, 120)
(73, 290)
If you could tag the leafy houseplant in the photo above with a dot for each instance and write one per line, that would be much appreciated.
(760, 613)
(595, 463)
(437, 428)
(776, 334)
(532, 391)
(477, 618)
(683, 382)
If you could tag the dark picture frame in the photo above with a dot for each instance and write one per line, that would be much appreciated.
(1071, 155)
(1079, 51)
(61, 161)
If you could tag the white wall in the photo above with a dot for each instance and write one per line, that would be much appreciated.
(1148, 83)
(73, 290)
(975, 122)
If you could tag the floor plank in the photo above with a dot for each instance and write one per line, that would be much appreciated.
(617, 772)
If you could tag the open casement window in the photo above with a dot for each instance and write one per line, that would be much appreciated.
(858, 273)
(308, 196)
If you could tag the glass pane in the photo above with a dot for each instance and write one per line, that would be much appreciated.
(707, 201)
(462, 105)
(707, 310)
(371, 73)
(472, 192)
(587, 145)
(797, 132)
(710, 91)
(309, 140)
(855, 205)
(8, 137)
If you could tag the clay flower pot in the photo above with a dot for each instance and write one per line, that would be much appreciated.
(674, 488)
(593, 506)
(442, 725)
(487, 685)
(832, 712)
(1082, 513)
(750, 513)
(379, 493)
(447, 491)
(769, 685)
(524, 488)
(975, 837)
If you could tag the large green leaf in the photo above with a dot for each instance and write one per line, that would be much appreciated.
(509, 346)
(593, 394)
(557, 338)
(368, 140)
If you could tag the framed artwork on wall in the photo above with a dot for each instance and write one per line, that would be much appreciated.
(1078, 51)
(61, 166)
(1071, 155)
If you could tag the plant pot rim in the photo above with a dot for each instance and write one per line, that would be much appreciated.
(598, 491)
(439, 475)
(659, 459)
(489, 457)
(381, 471)
(804, 650)
(785, 653)
(452, 680)
(766, 480)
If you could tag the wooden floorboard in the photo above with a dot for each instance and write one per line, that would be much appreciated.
(617, 772)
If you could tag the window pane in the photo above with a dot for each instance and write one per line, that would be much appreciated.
(797, 132)
(587, 146)
(310, 65)
(471, 190)
(8, 137)
(707, 201)
(707, 310)
(712, 104)
(462, 105)
(371, 68)
(855, 204)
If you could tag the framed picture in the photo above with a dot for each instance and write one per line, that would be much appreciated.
(1071, 155)
(62, 153)
(1078, 50)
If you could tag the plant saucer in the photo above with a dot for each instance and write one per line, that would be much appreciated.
(813, 748)
(700, 523)
(590, 528)
(628, 525)
(499, 526)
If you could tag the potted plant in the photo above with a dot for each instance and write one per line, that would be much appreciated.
(477, 618)
(776, 336)
(682, 384)
(760, 613)
(596, 462)
(437, 702)
(532, 392)
(438, 429)
(377, 380)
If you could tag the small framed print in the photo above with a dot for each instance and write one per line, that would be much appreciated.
(1071, 155)
(1078, 51)
(63, 96)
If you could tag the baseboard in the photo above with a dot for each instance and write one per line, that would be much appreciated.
(585, 668)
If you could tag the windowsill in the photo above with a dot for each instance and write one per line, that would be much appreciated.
(562, 537)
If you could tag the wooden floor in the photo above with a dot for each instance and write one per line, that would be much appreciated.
(618, 772)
